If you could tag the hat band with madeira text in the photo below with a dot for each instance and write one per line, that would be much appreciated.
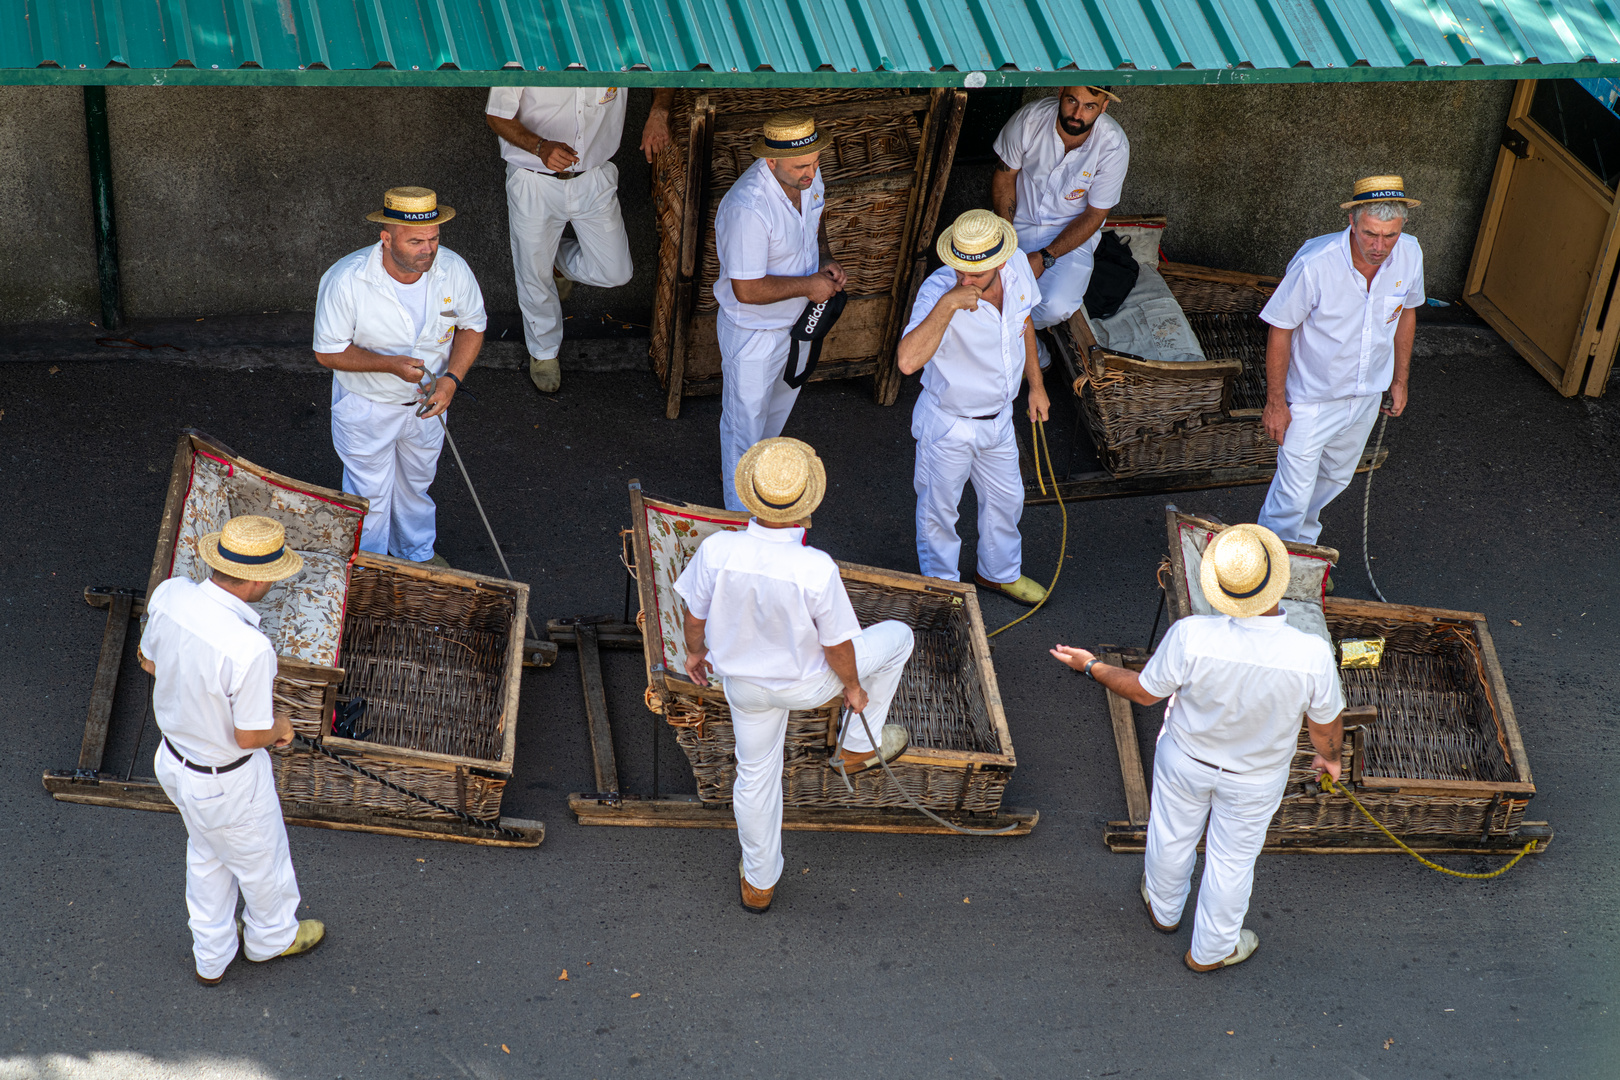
(411, 215)
(978, 256)
(789, 144)
(1382, 193)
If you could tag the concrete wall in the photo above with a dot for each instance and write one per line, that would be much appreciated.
(233, 201)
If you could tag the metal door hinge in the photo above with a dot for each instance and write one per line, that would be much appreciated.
(1515, 142)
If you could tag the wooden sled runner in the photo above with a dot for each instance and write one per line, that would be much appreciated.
(961, 754)
(435, 655)
(1432, 745)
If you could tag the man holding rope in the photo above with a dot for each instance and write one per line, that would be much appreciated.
(213, 672)
(1238, 683)
(399, 323)
(769, 615)
(1342, 324)
(971, 336)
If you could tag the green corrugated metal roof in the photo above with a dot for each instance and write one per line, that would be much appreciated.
(798, 42)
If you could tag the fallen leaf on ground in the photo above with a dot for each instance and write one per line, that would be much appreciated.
(504, 1050)
(1515, 622)
(1231, 1033)
(636, 994)
(564, 976)
(1388, 1043)
(54, 369)
(421, 860)
(965, 900)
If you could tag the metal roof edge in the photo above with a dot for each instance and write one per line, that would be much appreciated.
(189, 76)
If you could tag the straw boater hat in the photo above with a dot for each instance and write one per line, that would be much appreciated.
(252, 548)
(1379, 189)
(781, 480)
(1245, 571)
(977, 241)
(412, 206)
(790, 134)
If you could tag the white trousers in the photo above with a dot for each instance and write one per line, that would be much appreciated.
(390, 456)
(1316, 461)
(754, 401)
(759, 717)
(1238, 807)
(950, 451)
(537, 208)
(1063, 288)
(236, 842)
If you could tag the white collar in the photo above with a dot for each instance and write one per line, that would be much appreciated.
(231, 603)
(1261, 624)
(795, 535)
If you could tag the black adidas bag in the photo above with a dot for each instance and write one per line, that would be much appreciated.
(1113, 276)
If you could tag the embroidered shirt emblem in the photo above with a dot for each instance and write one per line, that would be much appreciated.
(1075, 194)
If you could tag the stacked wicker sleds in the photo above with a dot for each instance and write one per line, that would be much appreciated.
(961, 755)
(422, 664)
(1157, 425)
(1433, 749)
(885, 174)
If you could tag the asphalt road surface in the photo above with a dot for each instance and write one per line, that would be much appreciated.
(884, 956)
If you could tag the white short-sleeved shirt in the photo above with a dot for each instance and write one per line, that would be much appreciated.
(1238, 688)
(588, 118)
(1055, 186)
(215, 670)
(1344, 332)
(979, 365)
(771, 604)
(357, 304)
(758, 232)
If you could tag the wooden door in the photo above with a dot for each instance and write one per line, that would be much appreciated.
(1543, 271)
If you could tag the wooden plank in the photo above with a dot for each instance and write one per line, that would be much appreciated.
(1504, 703)
(1130, 751)
(689, 813)
(105, 686)
(146, 793)
(609, 635)
(987, 679)
(885, 106)
(1344, 605)
(100, 596)
(942, 174)
(856, 186)
(1468, 789)
(516, 654)
(1104, 485)
(539, 653)
(886, 384)
(1122, 837)
(1179, 603)
(596, 714)
(174, 502)
(691, 224)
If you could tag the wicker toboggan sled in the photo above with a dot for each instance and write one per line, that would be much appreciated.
(1432, 747)
(436, 655)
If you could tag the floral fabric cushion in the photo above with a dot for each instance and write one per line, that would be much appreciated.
(303, 615)
(1302, 603)
(674, 535)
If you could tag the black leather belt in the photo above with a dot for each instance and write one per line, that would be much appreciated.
(992, 416)
(213, 770)
(1206, 764)
(560, 175)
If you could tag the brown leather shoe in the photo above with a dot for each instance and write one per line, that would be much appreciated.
(215, 981)
(1152, 918)
(756, 900)
(1248, 941)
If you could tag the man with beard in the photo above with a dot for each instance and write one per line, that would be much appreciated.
(1060, 168)
(1342, 323)
(774, 260)
(399, 323)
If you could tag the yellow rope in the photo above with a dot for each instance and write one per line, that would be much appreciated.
(1327, 784)
(1039, 445)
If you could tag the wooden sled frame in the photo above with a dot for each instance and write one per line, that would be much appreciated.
(1130, 835)
(87, 783)
(610, 806)
(1102, 484)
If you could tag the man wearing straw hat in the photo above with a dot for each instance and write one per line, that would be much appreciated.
(213, 672)
(1342, 323)
(400, 324)
(774, 261)
(1060, 168)
(769, 616)
(971, 336)
(1239, 683)
(558, 143)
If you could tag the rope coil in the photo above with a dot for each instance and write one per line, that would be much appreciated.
(1329, 786)
(1039, 445)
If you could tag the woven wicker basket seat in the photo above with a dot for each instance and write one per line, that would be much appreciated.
(961, 754)
(1439, 756)
(436, 654)
(1150, 417)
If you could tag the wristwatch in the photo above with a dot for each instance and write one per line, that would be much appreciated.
(1047, 259)
(1089, 665)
